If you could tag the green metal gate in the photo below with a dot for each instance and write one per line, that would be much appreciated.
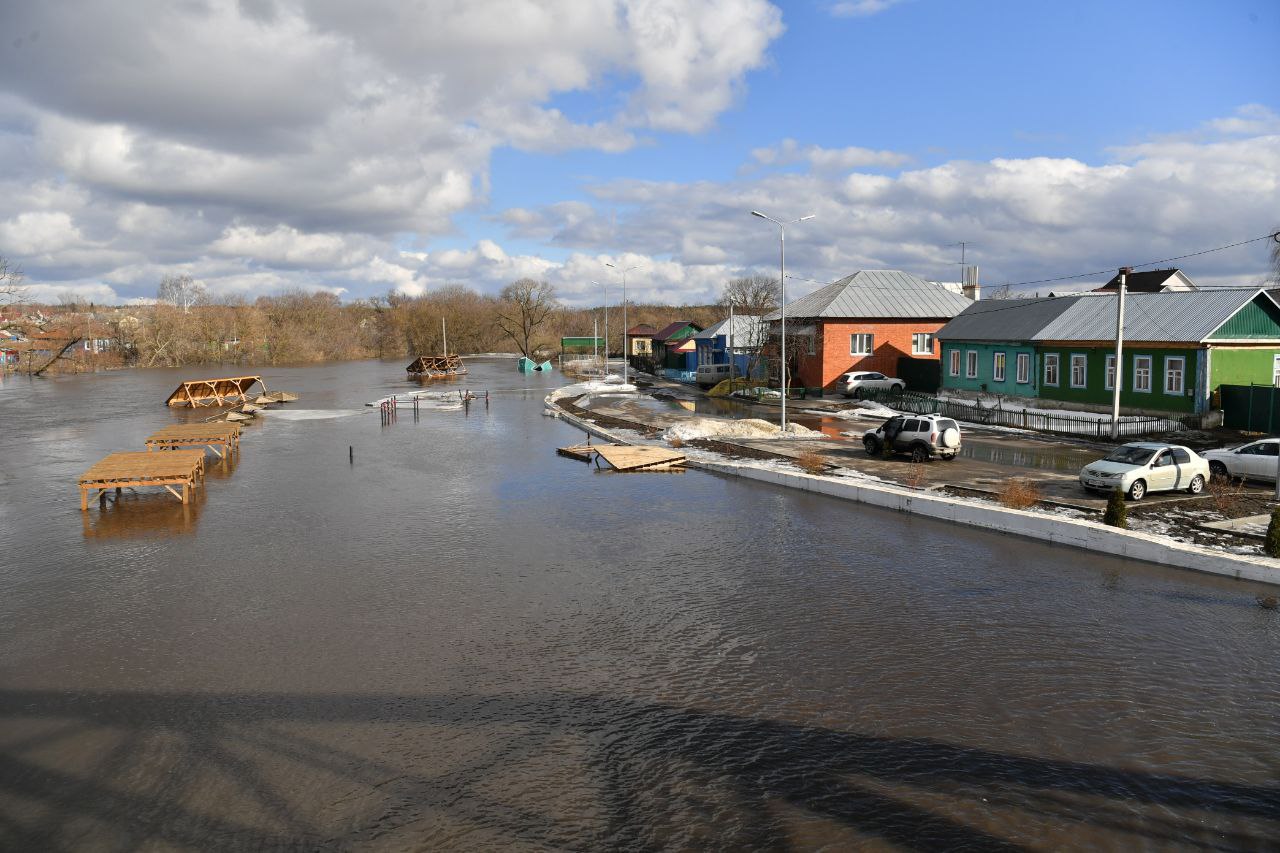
(1253, 408)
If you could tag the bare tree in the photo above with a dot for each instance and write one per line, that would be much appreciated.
(752, 296)
(11, 289)
(525, 305)
(181, 291)
(1275, 256)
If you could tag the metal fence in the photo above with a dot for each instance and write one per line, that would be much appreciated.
(1131, 426)
(1254, 408)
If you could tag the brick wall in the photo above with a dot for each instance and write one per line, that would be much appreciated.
(892, 340)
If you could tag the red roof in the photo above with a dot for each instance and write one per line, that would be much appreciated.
(643, 330)
(671, 328)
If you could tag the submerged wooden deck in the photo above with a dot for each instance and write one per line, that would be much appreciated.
(225, 391)
(627, 457)
(212, 435)
(172, 470)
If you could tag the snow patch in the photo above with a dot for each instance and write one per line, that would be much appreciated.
(611, 383)
(744, 428)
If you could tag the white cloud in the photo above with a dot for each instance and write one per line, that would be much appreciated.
(789, 152)
(861, 8)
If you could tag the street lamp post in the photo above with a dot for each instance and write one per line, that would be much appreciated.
(606, 324)
(625, 354)
(782, 279)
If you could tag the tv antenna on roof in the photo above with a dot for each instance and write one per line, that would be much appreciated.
(962, 245)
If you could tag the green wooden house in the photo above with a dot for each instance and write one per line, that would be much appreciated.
(1179, 348)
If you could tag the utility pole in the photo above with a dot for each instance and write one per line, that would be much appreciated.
(445, 335)
(1119, 380)
(730, 346)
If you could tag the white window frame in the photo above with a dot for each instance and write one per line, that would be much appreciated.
(1109, 374)
(1052, 358)
(916, 349)
(1275, 370)
(1138, 360)
(855, 339)
(955, 363)
(997, 366)
(1081, 359)
(1182, 374)
(971, 364)
(1023, 368)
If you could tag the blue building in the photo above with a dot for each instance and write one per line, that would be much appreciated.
(746, 335)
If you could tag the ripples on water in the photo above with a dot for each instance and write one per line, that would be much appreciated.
(462, 641)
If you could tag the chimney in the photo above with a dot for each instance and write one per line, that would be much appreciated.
(970, 286)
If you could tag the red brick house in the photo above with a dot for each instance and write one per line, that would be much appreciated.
(866, 321)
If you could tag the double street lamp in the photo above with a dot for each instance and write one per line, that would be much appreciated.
(782, 278)
(625, 354)
(605, 288)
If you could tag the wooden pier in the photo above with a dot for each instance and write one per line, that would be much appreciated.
(627, 457)
(226, 391)
(212, 435)
(174, 470)
(435, 366)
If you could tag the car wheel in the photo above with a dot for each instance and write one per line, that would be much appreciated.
(1217, 469)
(1138, 490)
(857, 393)
(872, 444)
(919, 453)
(1196, 486)
(896, 390)
(952, 457)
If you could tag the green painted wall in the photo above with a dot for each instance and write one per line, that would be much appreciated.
(986, 365)
(1241, 366)
(1095, 391)
(1259, 320)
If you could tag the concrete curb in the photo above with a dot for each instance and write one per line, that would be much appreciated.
(1075, 533)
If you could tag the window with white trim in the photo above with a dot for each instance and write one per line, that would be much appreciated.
(1023, 375)
(1109, 381)
(1051, 369)
(1079, 370)
(997, 367)
(861, 344)
(1175, 371)
(922, 343)
(1142, 374)
(971, 364)
(955, 364)
(1275, 370)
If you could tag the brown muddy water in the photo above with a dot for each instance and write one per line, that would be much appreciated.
(463, 642)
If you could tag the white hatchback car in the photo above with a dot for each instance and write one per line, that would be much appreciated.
(851, 384)
(1142, 467)
(1256, 460)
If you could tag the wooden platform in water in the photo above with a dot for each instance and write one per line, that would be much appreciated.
(176, 469)
(211, 435)
(430, 366)
(226, 391)
(627, 457)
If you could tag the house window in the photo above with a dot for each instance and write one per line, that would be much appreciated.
(971, 364)
(1051, 369)
(1142, 373)
(922, 344)
(1024, 368)
(997, 367)
(1175, 368)
(860, 344)
(955, 364)
(1275, 370)
(1079, 369)
(1109, 382)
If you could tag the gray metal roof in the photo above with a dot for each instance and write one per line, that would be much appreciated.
(1177, 316)
(1004, 319)
(744, 326)
(878, 294)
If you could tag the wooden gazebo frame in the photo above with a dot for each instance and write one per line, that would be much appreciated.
(226, 391)
(437, 365)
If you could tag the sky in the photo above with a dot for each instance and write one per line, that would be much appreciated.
(362, 148)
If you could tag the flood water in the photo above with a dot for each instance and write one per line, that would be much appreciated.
(461, 641)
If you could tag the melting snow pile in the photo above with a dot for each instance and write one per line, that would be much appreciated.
(745, 428)
(594, 387)
(863, 409)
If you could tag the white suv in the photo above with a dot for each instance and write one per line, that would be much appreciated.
(923, 436)
(852, 384)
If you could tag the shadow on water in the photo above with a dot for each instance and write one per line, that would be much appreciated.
(659, 776)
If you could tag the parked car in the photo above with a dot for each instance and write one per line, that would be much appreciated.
(852, 384)
(1256, 460)
(1141, 467)
(923, 436)
(711, 375)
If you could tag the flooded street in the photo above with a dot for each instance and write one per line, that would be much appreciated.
(458, 640)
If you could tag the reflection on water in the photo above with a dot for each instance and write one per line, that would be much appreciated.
(438, 634)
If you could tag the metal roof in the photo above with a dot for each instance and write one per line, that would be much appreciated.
(671, 328)
(879, 294)
(744, 326)
(1004, 319)
(1175, 316)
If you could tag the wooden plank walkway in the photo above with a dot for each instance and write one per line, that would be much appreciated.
(212, 435)
(214, 392)
(171, 470)
(627, 457)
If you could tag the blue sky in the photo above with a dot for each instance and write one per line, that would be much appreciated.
(294, 143)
